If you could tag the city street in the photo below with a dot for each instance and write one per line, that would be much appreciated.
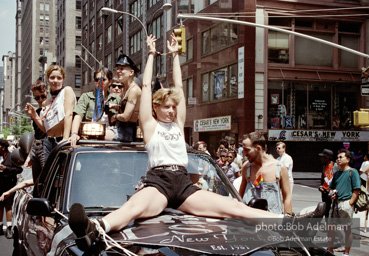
(305, 195)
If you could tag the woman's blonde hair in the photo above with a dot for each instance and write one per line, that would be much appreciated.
(161, 95)
(52, 68)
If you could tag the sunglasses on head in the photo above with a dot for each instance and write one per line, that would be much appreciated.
(98, 79)
(38, 97)
(116, 85)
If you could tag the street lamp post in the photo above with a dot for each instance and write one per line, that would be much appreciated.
(166, 7)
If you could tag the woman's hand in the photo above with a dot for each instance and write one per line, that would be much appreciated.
(4, 196)
(172, 46)
(73, 139)
(30, 110)
(151, 43)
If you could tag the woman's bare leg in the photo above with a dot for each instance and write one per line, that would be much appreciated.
(146, 203)
(205, 203)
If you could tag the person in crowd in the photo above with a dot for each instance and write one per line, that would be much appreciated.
(344, 188)
(37, 157)
(286, 159)
(238, 158)
(263, 176)
(116, 87)
(129, 105)
(201, 146)
(364, 170)
(327, 175)
(230, 168)
(85, 108)
(221, 161)
(56, 114)
(8, 179)
(162, 119)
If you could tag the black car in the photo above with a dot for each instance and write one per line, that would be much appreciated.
(102, 176)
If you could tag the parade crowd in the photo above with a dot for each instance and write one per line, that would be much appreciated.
(122, 104)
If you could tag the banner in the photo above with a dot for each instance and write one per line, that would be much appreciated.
(316, 135)
(220, 123)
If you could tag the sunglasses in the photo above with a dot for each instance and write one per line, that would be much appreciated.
(116, 85)
(38, 97)
(341, 157)
(230, 156)
(98, 79)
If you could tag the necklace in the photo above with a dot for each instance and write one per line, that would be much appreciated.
(126, 94)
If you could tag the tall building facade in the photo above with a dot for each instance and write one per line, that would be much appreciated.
(68, 41)
(38, 23)
(2, 105)
(10, 106)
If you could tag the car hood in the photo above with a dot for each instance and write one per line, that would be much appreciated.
(176, 229)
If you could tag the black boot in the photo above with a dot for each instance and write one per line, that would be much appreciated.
(84, 228)
(1, 230)
(319, 212)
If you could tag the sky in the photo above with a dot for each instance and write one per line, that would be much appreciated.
(7, 27)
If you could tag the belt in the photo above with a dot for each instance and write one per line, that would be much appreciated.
(170, 168)
(56, 139)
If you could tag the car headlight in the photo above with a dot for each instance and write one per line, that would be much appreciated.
(92, 129)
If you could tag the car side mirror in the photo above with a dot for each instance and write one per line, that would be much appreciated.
(39, 207)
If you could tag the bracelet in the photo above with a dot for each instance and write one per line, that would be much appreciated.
(350, 203)
(153, 52)
(76, 133)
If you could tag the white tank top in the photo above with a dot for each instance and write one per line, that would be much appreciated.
(167, 146)
(54, 113)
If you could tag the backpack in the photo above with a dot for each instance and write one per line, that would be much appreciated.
(362, 201)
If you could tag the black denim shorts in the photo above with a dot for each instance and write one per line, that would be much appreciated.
(176, 186)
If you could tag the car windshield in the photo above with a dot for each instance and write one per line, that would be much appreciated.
(108, 179)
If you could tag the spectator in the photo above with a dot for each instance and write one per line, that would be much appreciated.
(327, 175)
(346, 182)
(8, 179)
(263, 176)
(230, 168)
(287, 160)
(127, 117)
(85, 108)
(201, 146)
(364, 170)
(116, 87)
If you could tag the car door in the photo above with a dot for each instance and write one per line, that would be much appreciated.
(41, 229)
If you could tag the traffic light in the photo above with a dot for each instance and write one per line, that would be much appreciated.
(361, 117)
(180, 34)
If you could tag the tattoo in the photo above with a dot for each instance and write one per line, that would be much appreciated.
(131, 101)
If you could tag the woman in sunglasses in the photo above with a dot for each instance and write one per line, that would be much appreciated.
(84, 110)
(129, 105)
(116, 87)
(57, 113)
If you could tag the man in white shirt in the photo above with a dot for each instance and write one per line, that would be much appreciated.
(364, 169)
(286, 159)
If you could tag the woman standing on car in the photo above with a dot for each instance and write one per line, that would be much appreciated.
(57, 111)
(167, 183)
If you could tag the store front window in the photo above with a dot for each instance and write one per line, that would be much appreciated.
(315, 106)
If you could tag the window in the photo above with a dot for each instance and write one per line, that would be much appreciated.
(151, 3)
(78, 42)
(46, 40)
(92, 24)
(41, 17)
(78, 22)
(278, 47)
(157, 27)
(135, 43)
(118, 52)
(136, 9)
(220, 84)
(42, 6)
(108, 3)
(188, 88)
(47, 7)
(41, 40)
(108, 61)
(189, 49)
(100, 42)
(219, 37)
(78, 4)
(108, 35)
(78, 62)
(99, 18)
(118, 26)
(85, 30)
(159, 65)
(46, 29)
(77, 81)
(318, 55)
(85, 9)
(41, 28)
(41, 51)
(92, 47)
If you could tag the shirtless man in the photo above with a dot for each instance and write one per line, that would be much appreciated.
(260, 163)
(128, 116)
